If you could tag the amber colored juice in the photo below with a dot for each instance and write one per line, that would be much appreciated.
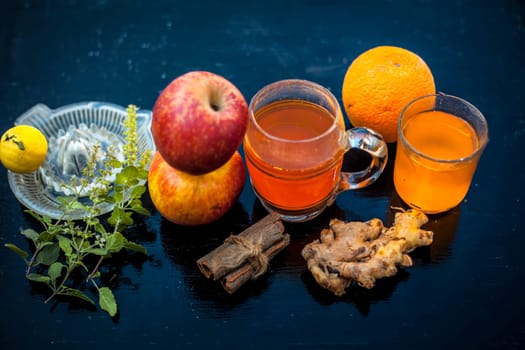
(293, 180)
(437, 182)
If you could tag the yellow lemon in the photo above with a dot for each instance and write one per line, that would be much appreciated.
(23, 149)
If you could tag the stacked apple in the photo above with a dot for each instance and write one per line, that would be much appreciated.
(198, 124)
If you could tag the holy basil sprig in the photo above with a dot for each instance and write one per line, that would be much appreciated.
(67, 248)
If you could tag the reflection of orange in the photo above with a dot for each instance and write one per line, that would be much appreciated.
(379, 83)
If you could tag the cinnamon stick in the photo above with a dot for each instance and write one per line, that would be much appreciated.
(243, 274)
(245, 256)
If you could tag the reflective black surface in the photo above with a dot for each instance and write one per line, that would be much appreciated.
(465, 290)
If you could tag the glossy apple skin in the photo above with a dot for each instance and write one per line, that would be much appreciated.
(199, 121)
(190, 200)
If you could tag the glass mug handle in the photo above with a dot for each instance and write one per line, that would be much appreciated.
(372, 143)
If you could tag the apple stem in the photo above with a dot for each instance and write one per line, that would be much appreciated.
(214, 106)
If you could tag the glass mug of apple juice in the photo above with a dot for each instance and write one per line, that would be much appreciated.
(294, 148)
(440, 141)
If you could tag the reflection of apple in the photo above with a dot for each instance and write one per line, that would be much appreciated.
(188, 199)
(199, 121)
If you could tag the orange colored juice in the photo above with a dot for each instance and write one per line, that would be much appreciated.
(288, 172)
(433, 178)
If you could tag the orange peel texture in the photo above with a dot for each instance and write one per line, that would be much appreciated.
(379, 83)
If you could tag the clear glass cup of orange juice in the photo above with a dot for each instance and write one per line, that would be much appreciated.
(294, 148)
(440, 141)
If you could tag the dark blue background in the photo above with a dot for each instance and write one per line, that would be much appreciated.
(465, 290)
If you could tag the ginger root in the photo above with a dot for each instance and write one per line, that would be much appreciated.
(364, 251)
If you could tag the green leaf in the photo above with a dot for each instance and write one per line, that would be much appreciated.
(17, 250)
(92, 221)
(69, 203)
(97, 251)
(107, 302)
(120, 217)
(46, 236)
(35, 277)
(83, 244)
(65, 244)
(132, 182)
(141, 210)
(72, 292)
(117, 195)
(53, 230)
(115, 163)
(127, 176)
(49, 254)
(127, 220)
(44, 244)
(30, 233)
(135, 247)
(55, 271)
(107, 199)
(137, 191)
(100, 228)
(64, 201)
(143, 174)
(114, 218)
(47, 219)
(115, 242)
(77, 205)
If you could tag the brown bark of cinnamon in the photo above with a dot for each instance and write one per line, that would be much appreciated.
(234, 280)
(245, 256)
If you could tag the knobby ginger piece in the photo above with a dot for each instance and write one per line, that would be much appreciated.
(364, 251)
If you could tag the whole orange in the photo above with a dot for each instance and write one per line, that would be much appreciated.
(379, 83)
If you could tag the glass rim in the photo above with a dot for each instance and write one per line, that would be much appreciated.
(302, 82)
(483, 138)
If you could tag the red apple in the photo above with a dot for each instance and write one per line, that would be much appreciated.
(188, 199)
(199, 121)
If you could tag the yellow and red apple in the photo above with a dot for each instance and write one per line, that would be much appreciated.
(190, 199)
(199, 121)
